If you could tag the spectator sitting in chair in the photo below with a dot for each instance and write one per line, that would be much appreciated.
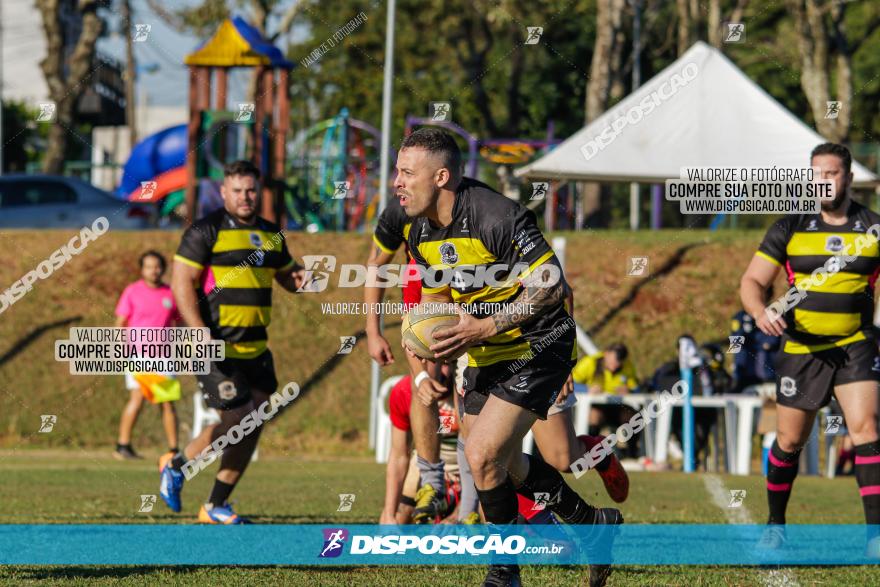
(609, 372)
(753, 361)
(709, 379)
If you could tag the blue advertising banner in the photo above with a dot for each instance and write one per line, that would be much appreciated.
(327, 544)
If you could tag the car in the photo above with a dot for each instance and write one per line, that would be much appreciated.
(52, 201)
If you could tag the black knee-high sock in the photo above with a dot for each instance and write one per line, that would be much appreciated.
(220, 492)
(499, 503)
(178, 461)
(563, 501)
(868, 477)
(781, 471)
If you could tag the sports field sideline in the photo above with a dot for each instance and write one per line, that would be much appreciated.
(53, 487)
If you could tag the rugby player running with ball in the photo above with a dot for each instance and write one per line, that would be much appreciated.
(463, 225)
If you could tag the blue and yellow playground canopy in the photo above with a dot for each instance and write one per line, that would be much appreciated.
(237, 44)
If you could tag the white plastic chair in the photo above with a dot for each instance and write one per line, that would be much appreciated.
(383, 420)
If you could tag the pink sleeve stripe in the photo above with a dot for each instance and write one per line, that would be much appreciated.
(778, 486)
(867, 460)
(870, 490)
(779, 463)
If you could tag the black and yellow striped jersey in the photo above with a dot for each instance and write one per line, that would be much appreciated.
(239, 263)
(489, 235)
(392, 228)
(839, 309)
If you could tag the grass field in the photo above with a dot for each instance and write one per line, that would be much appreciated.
(67, 476)
(89, 487)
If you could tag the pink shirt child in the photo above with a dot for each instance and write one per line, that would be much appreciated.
(147, 307)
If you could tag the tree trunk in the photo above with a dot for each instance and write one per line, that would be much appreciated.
(130, 76)
(815, 38)
(66, 91)
(619, 69)
(259, 19)
(609, 20)
(713, 24)
(517, 66)
(609, 23)
(843, 77)
(684, 26)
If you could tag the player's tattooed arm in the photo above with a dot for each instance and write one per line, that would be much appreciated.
(378, 256)
(543, 289)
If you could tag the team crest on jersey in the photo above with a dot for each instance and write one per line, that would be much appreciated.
(448, 254)
(812, 226)
(787, 386)
(256, 240)
(226, 390)
(834, 244)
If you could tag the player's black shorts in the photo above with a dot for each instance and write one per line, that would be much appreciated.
(230, 382)
(533, 385)
(807, 381)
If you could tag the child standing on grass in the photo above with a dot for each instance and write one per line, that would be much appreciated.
(146, 303)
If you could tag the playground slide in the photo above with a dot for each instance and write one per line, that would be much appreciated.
(160, 158)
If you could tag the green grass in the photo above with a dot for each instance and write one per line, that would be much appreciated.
(90, 487)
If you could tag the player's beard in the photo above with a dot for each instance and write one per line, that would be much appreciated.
(249, 218)
(835, 204)
(246, 218)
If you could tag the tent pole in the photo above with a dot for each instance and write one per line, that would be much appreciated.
(656, 203)
(634, 206)
(636, 82)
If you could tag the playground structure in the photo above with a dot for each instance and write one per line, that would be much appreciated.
(156, 171)
(184, 164)
(326, 178)
(342, 152)
(339, 150)
(257, 131)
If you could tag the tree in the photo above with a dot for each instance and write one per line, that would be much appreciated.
(826, 54)
(691, 19)
(20, 136)
(66, 77)
(607, 51)
(469, 52)
(609, 22)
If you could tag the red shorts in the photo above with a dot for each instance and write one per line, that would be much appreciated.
(412, 290)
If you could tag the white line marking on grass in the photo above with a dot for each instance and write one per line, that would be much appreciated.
(721, 497)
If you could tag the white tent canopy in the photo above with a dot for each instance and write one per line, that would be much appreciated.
(718, 118)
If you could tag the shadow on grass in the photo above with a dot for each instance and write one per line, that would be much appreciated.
(668, 267)
(22, 343)
(329, 365)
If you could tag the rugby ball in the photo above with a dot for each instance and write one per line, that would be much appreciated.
(419, 326)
